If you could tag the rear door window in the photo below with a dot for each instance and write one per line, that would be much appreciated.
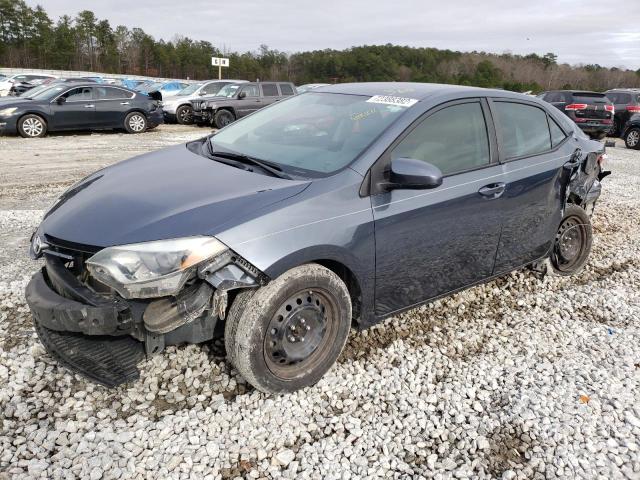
(436, 139)
(269, 89)
(109, 93)
(524, 129)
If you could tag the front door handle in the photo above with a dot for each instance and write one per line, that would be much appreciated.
(89, 106)
(493, 190)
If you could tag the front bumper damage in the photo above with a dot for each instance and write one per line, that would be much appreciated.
(104, 337)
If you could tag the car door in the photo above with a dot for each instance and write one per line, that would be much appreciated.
(537, 161)
(250, 103)
(112, 105)
(77, 111)
(430, 242)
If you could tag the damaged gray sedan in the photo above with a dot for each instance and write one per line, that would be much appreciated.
(326, 211)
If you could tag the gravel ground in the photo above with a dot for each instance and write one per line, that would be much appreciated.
(518, 378)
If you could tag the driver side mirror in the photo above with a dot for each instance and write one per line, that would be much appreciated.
(242, 95)
(61, 100)
(202, 93)
(409, 173)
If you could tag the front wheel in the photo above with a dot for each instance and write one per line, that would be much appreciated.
(135, 122)
(223, 118)
(184, 115)
(32, 126)
(572, 243)
(287, 334)
(632, 138)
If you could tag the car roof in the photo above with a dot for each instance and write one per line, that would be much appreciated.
(419, 91)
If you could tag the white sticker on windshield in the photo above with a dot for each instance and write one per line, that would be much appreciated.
(390, 100)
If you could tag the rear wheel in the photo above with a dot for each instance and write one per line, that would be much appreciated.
(572, 243)
(135, 122)
(223, 118)
(632, 138)
(32, 126)
(184, 115)
(287, 334)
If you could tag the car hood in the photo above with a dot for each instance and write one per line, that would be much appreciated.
(13, 101)
(166, 194)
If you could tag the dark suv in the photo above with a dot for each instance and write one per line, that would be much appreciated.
(627, 103)
(238, 100)
(592, 111)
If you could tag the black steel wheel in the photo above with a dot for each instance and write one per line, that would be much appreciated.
(223, 118)
(572, 243)
(184, 115)
(287, 334)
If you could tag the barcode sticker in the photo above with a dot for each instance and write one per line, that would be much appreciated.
(391, 100)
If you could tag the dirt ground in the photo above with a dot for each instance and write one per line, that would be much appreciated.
(34, 171)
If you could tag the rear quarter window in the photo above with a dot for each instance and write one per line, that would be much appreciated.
(524, 129)
(286, 89)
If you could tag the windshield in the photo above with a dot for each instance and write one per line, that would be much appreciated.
(228, 90)
(314, 134)
(33, 91)
(190, 89)
(46, 93)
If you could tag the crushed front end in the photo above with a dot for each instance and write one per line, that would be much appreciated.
(100, 311)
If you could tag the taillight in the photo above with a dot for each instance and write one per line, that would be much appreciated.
(610, 108)
(576, 106)
(633, 108)
(601, 158)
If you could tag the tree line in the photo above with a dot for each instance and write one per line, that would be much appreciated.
(29, 38)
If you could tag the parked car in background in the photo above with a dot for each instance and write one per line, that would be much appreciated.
(19, 89)
(332, 209)
(131, 83)
(83, 106)
(166, 89)
(178, 107)
(631, 132)
(627, 103)
(310, 86)
(238, 100)
(7, 83)
(592, 111)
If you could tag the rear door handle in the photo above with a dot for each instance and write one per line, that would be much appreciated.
(493, 190)
(89, 106)
(124, 103)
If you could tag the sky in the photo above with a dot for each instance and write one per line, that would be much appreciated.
(578, 31)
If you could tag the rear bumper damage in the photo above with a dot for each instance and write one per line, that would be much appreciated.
(104, 337)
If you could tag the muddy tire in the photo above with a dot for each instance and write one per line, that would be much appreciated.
(632, 139)
(572, 243)
(135, 122)
(32, 126)
(184, 115)
(286, 335)
(223, 118)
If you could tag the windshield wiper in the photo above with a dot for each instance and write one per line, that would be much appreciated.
(272, 168)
